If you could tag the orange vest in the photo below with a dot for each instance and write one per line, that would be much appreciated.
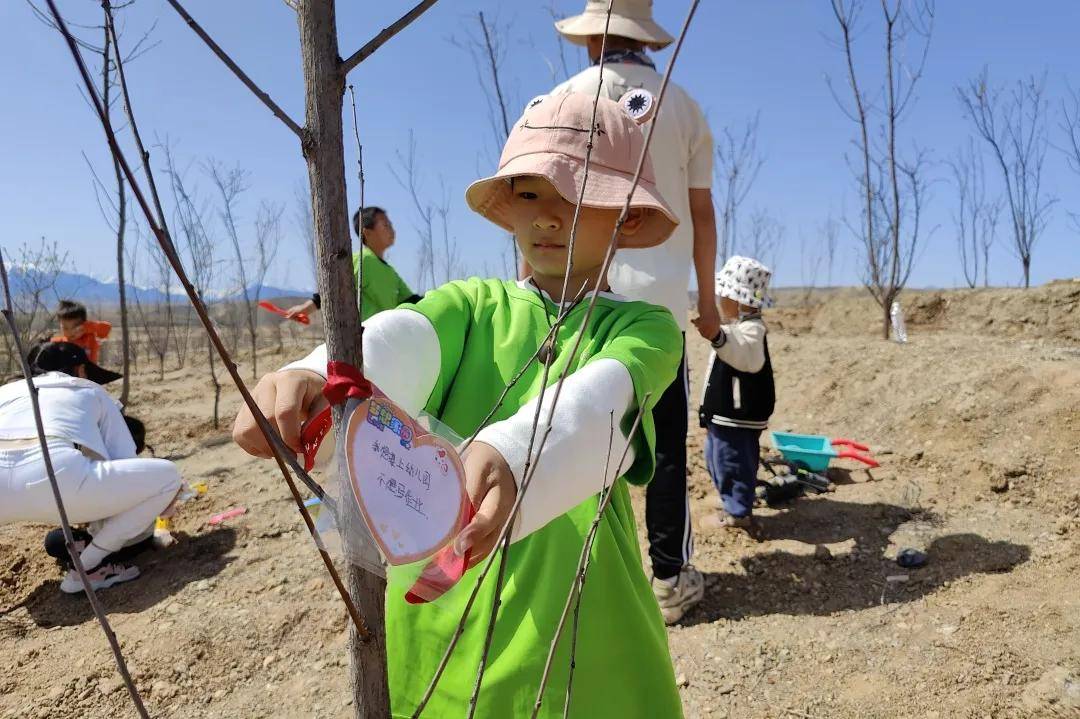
(90, 340)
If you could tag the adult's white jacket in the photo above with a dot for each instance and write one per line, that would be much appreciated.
(73, 409)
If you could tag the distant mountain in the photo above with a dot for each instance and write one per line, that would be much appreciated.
(93, 291)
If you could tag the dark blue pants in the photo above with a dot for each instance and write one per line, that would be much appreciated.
(731, 454)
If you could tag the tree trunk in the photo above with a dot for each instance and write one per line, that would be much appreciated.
(125, 338)
(253, 331)
(886, 324)
(1027, 271)
(214, 379)
(323, 149)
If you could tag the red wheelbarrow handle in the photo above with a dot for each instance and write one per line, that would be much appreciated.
(850, 443)
(868, 461)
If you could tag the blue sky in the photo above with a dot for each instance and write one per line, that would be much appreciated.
(767, 56)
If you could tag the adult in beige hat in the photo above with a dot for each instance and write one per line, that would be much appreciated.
(629, 18)
(682, 155)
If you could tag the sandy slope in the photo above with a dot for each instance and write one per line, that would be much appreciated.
(977, 424)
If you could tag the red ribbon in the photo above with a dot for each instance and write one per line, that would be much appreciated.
(344, 381)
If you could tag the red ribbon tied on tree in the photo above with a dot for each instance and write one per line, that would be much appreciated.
(342, 382)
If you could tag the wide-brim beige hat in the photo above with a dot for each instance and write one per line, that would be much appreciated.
(629, 18)
(549, 141)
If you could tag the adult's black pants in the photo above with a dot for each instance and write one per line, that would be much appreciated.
(667, 504)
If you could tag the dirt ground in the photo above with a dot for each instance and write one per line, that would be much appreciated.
(976, 422)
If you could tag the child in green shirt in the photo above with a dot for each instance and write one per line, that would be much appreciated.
(453, 353)
(383, 288)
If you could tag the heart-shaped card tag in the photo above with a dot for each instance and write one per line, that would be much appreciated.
(408, 483)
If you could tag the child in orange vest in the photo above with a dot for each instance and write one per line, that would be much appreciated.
(77, 329)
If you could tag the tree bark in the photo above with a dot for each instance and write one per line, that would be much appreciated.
(323, 147)
(125, 336)
(121, 211)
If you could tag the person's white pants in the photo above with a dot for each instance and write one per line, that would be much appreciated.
(123, 496)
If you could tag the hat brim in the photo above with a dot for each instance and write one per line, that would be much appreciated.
(94, 373)
(743, 296)
(578, 28)
(606, 189)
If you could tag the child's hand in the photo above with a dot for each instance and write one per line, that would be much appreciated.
(307, 307)
(492, 489)
(287, 398)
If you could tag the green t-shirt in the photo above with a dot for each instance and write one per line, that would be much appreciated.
(487, 329)
(383, 287)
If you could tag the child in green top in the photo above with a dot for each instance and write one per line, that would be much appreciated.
(453, 353)
(383, 288)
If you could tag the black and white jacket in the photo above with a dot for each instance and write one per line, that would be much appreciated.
(739, 389)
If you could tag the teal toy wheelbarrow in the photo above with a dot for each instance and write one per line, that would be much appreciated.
(814, 452)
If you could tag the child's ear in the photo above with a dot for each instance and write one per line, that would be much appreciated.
(634, 221)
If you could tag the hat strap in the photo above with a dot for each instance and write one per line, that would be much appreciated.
(627, 57)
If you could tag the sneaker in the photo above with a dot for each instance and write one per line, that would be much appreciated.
(676, 599)
(724, 521)
(732, 522)
(103, 577)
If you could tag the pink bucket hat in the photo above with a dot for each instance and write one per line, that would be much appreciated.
(549, 142)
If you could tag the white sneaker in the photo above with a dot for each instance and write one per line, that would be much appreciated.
(103, 577)
(676, 599)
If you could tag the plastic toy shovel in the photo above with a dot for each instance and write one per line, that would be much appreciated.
(300, 317)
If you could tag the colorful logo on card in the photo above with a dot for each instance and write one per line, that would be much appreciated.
(381, 415)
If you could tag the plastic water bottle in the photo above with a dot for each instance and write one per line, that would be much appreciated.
(896, 314)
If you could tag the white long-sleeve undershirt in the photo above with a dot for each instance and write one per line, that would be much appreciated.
(402, 358)
(744, 348)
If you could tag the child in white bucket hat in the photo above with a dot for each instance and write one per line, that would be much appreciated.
(453, 353)
(739, 394)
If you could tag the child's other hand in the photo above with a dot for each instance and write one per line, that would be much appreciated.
(492, 489)
(287, 398)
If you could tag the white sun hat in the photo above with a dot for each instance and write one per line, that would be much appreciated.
(744, 280)
(629, 18)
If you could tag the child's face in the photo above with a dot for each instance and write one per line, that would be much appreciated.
(72, 328)
(731, 311)
(381, 235)
(542, 219)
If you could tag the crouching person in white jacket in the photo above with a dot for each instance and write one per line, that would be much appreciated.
(93, 455)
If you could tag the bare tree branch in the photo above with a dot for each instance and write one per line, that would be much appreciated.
(201, 246)
(765, 236)
(284, 455)
(527, 478)
(388, 32)
(738, 163)
(69, 539)
(976, 216)
(892, 192)
(240, 74)
(578, 586)
(1013, 125)
(488, 54)
(360, 177)
(1070, 125)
